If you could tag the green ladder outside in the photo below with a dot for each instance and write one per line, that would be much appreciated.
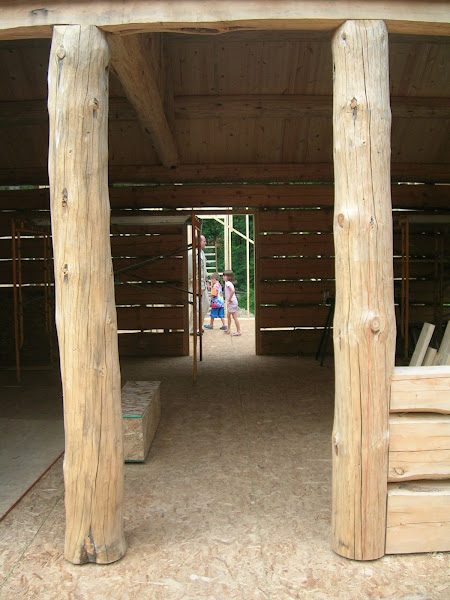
(211, 259)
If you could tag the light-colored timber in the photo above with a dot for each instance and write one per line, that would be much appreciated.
(364, 323)
(418, 517)
(25, 20)
(417, 432)
(85, 307)
(422, 345)
(428, 359)
(130, 60)
(230, 107)
(420, 389)
(444, 348)
(413, 465)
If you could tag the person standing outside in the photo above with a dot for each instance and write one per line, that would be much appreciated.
(232, 302)
(217, 302)
(202, 276)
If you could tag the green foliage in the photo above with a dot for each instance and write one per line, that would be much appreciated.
(214, 233)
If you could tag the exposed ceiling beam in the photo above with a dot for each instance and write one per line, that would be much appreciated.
(28, 112)
(131, 63)
(24, 19)
(294, 106)
(235, 173)
(420, 197)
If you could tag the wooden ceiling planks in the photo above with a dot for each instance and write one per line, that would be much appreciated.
(244, 73)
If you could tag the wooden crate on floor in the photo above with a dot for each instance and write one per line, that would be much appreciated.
(141, 411)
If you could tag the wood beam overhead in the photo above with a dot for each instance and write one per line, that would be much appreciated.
(130, 61)
(232, 173)
(419, 197)
(28, 112)
(294, 106)
(194, 16)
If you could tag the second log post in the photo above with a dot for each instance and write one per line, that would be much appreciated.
(364, 323)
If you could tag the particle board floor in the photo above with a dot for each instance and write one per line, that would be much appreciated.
(31, 431)
(233, 501)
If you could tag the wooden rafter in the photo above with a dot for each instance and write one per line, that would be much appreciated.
(195, 16)
(27, 112)
(232, 173)
(130, 61)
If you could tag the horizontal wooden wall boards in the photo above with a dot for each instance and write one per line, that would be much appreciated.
(152, 344)
(297, 266)
(418, 517)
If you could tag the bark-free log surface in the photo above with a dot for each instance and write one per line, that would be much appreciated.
(364, 322)
(85, 307)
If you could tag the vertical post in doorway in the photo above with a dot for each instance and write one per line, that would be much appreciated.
(364, 322)
(247, 254)
(84, 286)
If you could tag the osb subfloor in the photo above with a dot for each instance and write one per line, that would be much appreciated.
(232, 502)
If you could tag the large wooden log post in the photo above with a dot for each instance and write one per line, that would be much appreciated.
(364, 322)
(85, 307)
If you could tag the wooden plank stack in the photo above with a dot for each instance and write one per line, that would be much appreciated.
(418, 518)
(426, 355)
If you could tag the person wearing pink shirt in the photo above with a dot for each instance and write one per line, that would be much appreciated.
(232, 302)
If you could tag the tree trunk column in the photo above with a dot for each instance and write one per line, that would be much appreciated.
(85, 308)
(364, 322)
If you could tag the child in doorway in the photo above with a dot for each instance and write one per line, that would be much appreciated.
(232, 302)
(217, 303)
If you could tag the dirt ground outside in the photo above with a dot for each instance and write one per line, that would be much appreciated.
(233, 501)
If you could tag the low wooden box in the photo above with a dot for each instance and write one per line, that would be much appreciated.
(141, 411)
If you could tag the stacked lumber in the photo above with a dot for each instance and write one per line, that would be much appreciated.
(418, 505)
(426, 355)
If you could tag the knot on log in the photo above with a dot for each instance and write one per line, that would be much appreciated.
(341, 220)
(354, 107)
(66, 273)
(336, 444)
(61, 52)
(375, 325)
(95, 107)
(65, 197)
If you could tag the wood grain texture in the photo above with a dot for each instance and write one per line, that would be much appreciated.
(418, 517)
(131, 61)
(364, 322)
(420, 389)
(140, 15)
(85, 308)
